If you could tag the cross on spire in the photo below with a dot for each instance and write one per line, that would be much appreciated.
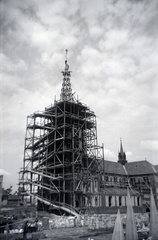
(66, 54)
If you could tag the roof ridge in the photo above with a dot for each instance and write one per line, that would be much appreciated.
(140, 161)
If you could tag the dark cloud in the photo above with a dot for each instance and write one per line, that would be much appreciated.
(112, 54)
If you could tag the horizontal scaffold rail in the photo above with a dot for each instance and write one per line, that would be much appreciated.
(45, 175)
(41, 114)
(35, 126)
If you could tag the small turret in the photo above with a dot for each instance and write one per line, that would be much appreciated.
(122, 155)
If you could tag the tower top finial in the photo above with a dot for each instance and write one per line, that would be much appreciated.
(66, 54)
(66, 91)
(66, 65)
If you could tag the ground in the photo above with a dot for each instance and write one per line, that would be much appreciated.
(76, 233)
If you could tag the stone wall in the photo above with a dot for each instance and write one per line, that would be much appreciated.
(95, 221)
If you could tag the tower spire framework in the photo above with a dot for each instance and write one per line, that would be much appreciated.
(66, 91)
(61, 156)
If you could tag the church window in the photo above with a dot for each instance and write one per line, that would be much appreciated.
(109, 179)
(120, 201)
(110, 201)
(95, 183)
(96, 201)
(84, 201)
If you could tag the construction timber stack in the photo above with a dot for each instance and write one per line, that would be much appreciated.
(61, 156)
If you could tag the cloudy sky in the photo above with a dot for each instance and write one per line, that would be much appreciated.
(113, 56)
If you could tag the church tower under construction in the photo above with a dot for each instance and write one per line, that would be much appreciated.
(62, 156)
(64, 167)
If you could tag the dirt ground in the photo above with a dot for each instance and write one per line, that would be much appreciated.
(77, 233)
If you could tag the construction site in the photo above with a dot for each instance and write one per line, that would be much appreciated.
(66, 184)
(62, 156)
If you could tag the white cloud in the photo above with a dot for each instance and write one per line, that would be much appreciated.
(7, 65)
(112, 54)
(149, 145)
(96, 31)
(128, 154)
(3, 172)
(109, 155)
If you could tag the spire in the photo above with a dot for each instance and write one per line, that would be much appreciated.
(121, 147)
(122, 154)
(66, 91)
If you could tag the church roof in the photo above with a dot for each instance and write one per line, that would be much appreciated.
(119, 191)
(156, 167)
(140, 168)
(130, 168)
(114, 168)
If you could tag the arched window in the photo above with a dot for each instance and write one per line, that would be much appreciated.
(120, 201)
(138, 201)
(110, 179)
(96, 201)
(95, 183)
(115, 179)
(110, 201)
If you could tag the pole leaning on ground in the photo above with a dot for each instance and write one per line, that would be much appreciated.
(131, 229)
(118, 233)
(153, 218)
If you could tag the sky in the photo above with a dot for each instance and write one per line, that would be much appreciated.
(113, 55)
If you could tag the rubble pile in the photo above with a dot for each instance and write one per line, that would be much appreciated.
(92, 222)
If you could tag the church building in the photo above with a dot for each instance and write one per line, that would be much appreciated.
(116, 177)
(64, 167)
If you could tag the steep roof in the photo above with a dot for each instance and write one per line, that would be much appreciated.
(114, 168)
(130, 168)
(119, 191)
(156, 167)
(140, 168)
